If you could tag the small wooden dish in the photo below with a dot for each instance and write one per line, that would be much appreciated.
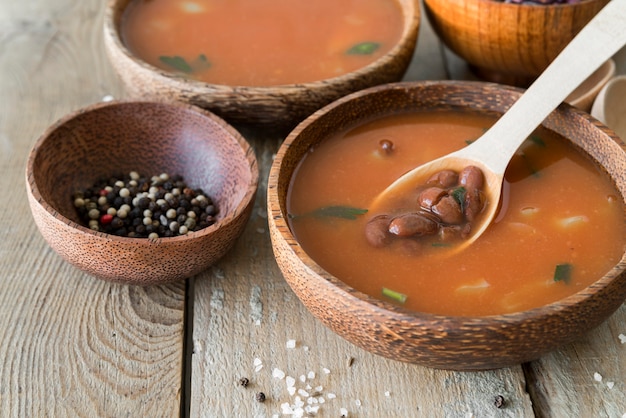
(448, 342)
(506, 42)
(610, 105)
(149, 138)
(279, 107)
(584, 96)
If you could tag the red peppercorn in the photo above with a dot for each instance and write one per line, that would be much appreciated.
(106, 219)
(103, 192)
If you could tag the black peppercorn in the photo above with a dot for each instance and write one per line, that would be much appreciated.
(260, 397)
(244, 381)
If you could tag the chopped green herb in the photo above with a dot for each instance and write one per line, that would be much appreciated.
(392, 294)
(180, 64)
(537, 140)
(563, 273)
(459, 195)
(363, 48)
(344, 212)
(177, 63)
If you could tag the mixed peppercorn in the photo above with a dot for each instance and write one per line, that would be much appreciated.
(144, 207)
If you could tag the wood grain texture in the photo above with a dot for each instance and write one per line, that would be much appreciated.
(70, 345)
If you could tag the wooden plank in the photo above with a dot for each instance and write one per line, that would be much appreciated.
(586, 378)
(70, 345)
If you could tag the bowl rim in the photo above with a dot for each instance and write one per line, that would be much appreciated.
(388, 309)
(36, 197)
(411, 24)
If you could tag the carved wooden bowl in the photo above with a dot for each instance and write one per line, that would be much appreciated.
(505, 42)
(279, 107)
(449, 342)
(150, 138)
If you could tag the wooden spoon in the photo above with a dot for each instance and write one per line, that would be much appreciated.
(602, 37)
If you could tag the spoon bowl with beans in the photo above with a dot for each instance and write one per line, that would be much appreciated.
(459, 193)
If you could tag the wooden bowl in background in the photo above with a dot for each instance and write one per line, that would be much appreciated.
(439, 341)
(150, 138)
(275, 106)
(505, 42)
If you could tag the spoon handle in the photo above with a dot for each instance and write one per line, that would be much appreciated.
(600, 39)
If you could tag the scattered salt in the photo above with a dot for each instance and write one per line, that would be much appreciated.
(257, 362)
(331, 396)
(291, 344)
(303, 393)
(327, 371)
(343, 412)
(622, 338)
(290, 381)
(278, 374)
(387, 394)
(258, 368)
(302, 378)
(597, 377)
(291, 390)
(319, 388)
(321, 399)
(108, 98)
(357, 402)
(610, 385)
(305, 348)
(311, 375)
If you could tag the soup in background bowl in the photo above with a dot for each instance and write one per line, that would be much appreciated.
(269, 63)
(430, 333)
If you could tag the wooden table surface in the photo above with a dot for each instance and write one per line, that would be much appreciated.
(74, 346)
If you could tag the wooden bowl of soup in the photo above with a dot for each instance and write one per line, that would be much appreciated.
(550, 268)
(269, 62)
(141, 192)
(508, 42)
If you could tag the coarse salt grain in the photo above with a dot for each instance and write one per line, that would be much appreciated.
(302, 378)
(622, 338)
(303, 393)
(343, 412)
(597, 377)
(290, 381)
(610, 385)
(331, 395)
(357, 402)
(327, 371)
(387, 394)
(278, 374)
(311, 375)
(257, 362)
(291, 390)
(291, 344)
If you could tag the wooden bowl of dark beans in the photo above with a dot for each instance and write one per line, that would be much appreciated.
(141, 192)
(402, 294)
(510, 41)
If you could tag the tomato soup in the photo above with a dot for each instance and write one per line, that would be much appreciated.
(261, 42)
(560, 227)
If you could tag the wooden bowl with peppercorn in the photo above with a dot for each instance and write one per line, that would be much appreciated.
(141, 192)
(263, 84)
(510, 41)
(519, 291)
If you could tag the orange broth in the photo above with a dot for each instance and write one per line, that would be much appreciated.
(261, 42)
(557, 209)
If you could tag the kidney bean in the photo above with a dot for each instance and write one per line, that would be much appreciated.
(377, 231)
(471, 177)
(448, 210)
(412, 224)
(430, 196)
(444, 178)
(474, 203)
